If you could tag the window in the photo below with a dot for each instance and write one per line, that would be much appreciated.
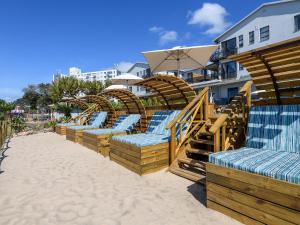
(137, 73)
(297, 22)
(251, 37)
(241, 41)
(241, 66)
(264, 33)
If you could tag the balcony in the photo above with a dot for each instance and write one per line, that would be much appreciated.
(222, 54)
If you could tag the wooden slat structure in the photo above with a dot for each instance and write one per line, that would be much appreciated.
(132, 104)
(103, 104)
(275, 70)
(173, 93)
(249, 197)
(61, 130)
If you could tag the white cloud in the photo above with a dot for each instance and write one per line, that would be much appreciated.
(156, 29)
(124, 66)
(212, 16)
(167, 37)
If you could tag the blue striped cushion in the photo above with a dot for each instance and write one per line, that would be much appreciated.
(119, 120)
(98, 120)
(65, 124)
(274, 128)
(123, 124)
(142, 140)
(160, 120)
(275, 164)
(81, 127)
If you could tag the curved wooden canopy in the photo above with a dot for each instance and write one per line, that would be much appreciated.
(275, 70)
(103, 104)
(170, 90)
(80, 103)
(132, 103)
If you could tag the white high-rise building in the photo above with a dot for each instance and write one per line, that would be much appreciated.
(101, 75)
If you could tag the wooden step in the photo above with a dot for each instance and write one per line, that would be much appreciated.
(203, 141)
(198, 151)
(199, 178)
(192, 162)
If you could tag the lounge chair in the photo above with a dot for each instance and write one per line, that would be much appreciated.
(74, 133)
(260, 182)
(98, 139)
(146, 152)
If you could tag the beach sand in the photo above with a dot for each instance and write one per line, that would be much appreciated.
(48, 180)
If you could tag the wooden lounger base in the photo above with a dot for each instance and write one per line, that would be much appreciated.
(74, 135)
(61, 130)
(252, 198)
(141, 160)
(98, 143)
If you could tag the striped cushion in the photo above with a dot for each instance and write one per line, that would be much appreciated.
(119, 120)
(275, 128)
(81, 127)
(123, 124)
(160, 120)
(281, 165)
(142, 140)
(65, 124)
(98, 120)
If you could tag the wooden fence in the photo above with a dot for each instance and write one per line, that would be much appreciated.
(5, 131)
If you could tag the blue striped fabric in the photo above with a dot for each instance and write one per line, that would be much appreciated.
(123, 124)
(156, 132)
(97, 121)
(276, 164)
(65, 124)
(273, 144)
(142, 140)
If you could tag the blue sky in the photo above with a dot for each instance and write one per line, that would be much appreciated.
(40, 37)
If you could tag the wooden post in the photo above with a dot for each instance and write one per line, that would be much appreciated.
(217, 141)
(206, 106)
(173, 144)
(223, 137)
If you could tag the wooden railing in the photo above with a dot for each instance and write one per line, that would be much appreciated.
(5, 131)
(82, 117)
(230, 118)
(189, 119)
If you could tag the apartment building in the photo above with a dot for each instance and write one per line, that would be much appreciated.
(269, 23)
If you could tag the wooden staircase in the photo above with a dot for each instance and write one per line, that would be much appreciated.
(223, 130)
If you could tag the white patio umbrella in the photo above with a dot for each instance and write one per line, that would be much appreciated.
(179, 58)
(111, 87)
(126, 79)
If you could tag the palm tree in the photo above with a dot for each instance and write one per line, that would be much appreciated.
(92, 87)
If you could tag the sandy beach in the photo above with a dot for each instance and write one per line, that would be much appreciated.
(48, 180)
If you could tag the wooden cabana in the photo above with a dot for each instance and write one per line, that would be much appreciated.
(174, 94)
(103, 104)
(275, 70)
(61, 128)
(171, 91)
(132, 104)
(241, 184)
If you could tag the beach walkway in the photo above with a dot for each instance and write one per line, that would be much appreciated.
(48, 180)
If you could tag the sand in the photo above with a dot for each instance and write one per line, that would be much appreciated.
(48, 180)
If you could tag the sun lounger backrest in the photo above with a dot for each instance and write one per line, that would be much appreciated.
(274, 128)
(160, 120)
(98, 121)
(119, 120)
(129, 122)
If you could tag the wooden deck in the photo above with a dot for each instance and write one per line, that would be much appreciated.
(98, 143)
(61, 130)
(74, 135)
(141, 160)
(251, 198)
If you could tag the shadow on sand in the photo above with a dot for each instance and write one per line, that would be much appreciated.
(2, 153)
(199, 192)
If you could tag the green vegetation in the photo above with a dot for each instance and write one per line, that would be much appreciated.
(5, 107)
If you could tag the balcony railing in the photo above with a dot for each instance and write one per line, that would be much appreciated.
(222, 54)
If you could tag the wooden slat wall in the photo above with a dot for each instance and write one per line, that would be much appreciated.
(171, 91)
(132, 103)
(275, 69)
